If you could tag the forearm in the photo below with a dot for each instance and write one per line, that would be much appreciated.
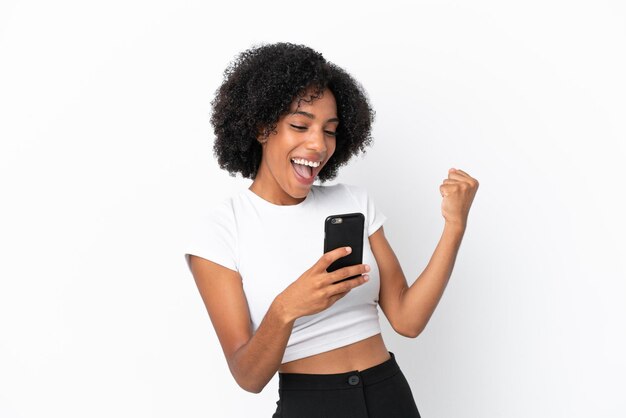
(418, 302)
(256, 362)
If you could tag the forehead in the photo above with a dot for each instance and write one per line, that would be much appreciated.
(324, 103)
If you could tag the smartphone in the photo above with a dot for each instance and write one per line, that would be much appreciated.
(344, 231)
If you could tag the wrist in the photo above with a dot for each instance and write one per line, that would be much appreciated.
(457, 227)
(281, 312)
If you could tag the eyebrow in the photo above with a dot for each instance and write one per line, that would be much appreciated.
(312, 116)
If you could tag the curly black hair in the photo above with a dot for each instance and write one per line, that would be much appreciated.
(260, 85)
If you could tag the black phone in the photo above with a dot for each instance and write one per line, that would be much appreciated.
(344, 230)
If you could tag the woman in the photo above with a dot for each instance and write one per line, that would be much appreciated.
(283, 117)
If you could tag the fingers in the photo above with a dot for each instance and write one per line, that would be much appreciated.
(345, 286)
(453, 186)
(456, 174)
(457, 179)
(328, 258)
(458, 171)
(345, 272)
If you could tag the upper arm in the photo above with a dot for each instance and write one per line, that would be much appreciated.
(392, 280)
(222, 292)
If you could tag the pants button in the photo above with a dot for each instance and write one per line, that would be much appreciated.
(354, 380)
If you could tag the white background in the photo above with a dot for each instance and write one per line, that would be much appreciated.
(106, 157)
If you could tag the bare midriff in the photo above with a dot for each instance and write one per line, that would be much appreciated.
(358, 356)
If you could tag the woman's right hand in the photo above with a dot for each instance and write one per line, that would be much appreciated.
(316, 289)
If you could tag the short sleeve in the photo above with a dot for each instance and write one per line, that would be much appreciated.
(374, 218)
(213, 237)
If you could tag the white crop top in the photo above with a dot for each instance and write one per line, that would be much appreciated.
(272, 245)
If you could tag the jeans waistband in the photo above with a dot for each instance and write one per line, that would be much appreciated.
(304, 381)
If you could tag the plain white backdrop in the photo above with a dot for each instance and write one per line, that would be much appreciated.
(106, 158)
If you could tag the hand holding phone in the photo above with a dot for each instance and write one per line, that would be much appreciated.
(315, 290)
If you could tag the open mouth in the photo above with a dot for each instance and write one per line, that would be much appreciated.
(305, 170)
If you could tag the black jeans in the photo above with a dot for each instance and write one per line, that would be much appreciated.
(381, 391)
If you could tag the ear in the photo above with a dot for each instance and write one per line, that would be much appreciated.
(260, 137)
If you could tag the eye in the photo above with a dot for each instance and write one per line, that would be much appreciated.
(302, 128)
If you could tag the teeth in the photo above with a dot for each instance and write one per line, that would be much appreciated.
(305, 162)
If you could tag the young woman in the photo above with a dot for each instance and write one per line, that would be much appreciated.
(284, 116)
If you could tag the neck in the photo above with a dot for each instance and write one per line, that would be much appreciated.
(266, 186)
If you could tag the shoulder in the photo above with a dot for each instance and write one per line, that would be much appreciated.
(220, 211)
(352, 192)
(349, 194)
(213, 235)
(357, 196)
(221, 215)
(341, 189)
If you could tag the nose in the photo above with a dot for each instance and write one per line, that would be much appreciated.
(317, 141)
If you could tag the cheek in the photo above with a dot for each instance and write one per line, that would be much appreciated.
(331, 146)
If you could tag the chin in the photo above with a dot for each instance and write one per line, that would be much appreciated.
(300, 191)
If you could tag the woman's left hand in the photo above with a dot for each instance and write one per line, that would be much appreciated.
(458, 192)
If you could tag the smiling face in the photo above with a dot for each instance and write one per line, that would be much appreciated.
(303, 144)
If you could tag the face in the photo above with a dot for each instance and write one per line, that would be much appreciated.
(292, 158)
